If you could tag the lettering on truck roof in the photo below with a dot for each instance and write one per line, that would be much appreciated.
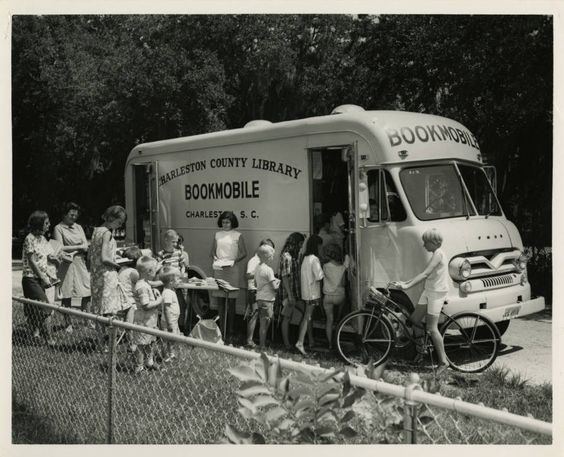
(430, 133)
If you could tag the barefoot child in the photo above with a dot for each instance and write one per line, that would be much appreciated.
(433, 297)
(174, 255)
(252, 307)
(127, 278)
(311, 276)
(333, 285)
(266, 290)
(290, 274)
(147, 301)
(169, 318)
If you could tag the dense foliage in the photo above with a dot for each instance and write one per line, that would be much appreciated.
(86, 89)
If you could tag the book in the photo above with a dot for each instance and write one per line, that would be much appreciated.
(218, 264)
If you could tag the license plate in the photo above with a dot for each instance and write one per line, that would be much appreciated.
(511, 312)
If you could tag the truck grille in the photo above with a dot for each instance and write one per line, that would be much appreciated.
(498, 281)
(498, 264)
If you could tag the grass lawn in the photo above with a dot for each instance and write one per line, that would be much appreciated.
(61, 395)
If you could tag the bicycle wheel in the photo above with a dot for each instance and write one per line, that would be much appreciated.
(364, 337)
(471, 342)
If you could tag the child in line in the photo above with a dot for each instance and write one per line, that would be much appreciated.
(266, 290)
(171, 309)
(433, 297)
(290, 274)
(174, 255)
(333, 285)
(147, 301)
(311, 275)
(127, 278)
(252, 308)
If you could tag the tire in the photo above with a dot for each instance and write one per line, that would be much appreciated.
(471, 342)
(370, 345)
(501, 326)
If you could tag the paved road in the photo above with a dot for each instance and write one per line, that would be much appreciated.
(528, 348)
(527, 343)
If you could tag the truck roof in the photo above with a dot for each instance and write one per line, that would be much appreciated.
(398, 136)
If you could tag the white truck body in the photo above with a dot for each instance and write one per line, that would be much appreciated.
(277, 177)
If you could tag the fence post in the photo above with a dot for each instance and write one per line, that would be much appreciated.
(112, 382)
(410, 409)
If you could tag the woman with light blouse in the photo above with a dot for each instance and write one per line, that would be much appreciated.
(227, 253)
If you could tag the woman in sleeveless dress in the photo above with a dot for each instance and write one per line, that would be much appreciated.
(106, 298)
(228, 251)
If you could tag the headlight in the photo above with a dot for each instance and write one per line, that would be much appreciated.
(460, 269)
(524, 278)
(521, 262)
(465, 269)
(466, 287)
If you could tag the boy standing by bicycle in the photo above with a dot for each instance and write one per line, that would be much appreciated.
(433, 297)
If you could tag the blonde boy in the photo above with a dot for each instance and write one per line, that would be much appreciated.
(169, 318)
(433, 297)
(266, 290)
(172, 255)
(147, 301)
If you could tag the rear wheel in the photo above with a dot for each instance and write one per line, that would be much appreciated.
(364, 338)
(471, 342)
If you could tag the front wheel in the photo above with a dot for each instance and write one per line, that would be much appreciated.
(364, 338)
(471, 342)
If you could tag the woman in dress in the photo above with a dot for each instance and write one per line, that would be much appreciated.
(39, 274)
(107, 298)
(73, 272)
(228, 251)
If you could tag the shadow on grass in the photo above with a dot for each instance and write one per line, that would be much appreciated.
(85, 346)
(28, 428)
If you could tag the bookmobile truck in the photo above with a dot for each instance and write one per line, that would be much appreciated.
(392, 175)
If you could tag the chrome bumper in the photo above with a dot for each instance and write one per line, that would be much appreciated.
(514, 310)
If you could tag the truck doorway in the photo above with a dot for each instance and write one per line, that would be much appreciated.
(333, 205)
(146, 233)
(329, 187)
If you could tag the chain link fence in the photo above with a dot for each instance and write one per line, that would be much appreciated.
(86, 386)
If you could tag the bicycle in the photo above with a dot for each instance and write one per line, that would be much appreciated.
(368, 335)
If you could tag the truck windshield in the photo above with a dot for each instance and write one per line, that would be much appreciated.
(437, 191)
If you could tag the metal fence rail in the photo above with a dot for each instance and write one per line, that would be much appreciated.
(92, 396)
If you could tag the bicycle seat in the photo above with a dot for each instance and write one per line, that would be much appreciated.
(377, 296)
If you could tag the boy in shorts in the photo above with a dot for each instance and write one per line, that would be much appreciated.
(432, 299)
(266, 290)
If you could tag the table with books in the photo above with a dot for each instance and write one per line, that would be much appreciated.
(195, 284)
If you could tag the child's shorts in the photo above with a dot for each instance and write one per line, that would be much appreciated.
(313, 303)
(175, 328)
(251, 308)
(330, 301)
(433, 300)
(265, 309)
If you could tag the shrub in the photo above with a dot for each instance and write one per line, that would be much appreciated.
(311, 408)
